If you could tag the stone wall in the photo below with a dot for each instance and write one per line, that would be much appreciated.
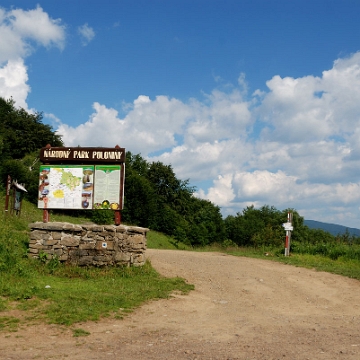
(89, 245)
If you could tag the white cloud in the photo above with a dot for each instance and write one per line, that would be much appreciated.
(37, 25)
(306, 154)
(20, 31)
(221, 193)
(87, 33)
(149, 125)
(314, 108)
(13, 82)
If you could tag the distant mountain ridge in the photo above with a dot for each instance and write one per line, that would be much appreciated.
(333, 229)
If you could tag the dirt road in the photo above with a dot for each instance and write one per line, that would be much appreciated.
(240, 309)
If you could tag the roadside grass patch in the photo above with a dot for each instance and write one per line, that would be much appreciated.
(80, 332)
(3, 304)
(56, 293)
(157, 240)
(342, 265)
(9, 323)
(68, 295)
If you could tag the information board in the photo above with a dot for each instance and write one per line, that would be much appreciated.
(80, 187)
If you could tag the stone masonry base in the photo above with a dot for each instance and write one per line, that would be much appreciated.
(89, 245)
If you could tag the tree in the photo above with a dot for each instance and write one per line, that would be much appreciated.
(256, 227)
(21, 132)
(140, 200)
(206, 223)
(21, 136)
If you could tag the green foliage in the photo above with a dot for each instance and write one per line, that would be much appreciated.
(140, 200)
(42, 257)
(156, 199)
(255, 226)
(22, 132)
(13, 247)
(102, 217)
(21, 136)
(261, 229)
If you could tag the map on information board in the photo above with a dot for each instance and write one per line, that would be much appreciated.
(66, 187)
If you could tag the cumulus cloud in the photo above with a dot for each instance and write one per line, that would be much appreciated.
(304, 153)
(13, 82)
(20, 32)
(313, 108)
(86, 33)
(149, 125)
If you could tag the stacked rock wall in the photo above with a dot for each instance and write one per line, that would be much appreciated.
(89, 245)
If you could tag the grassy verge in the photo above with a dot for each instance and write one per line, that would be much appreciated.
(341, 265)
(68, 296)
(156, 240)
(60, 294)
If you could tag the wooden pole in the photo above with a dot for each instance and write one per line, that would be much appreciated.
(8, 187)
(46, 214)
(117, 217)
(287, 243)
(121, 199)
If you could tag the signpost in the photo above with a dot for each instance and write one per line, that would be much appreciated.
(14, 195)
(82, 178)
(288, 228)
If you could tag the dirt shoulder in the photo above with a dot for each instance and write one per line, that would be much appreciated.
(241, 308)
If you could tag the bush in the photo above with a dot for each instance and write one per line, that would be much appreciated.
(103, 217)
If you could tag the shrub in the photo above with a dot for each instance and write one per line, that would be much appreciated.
(103, 217)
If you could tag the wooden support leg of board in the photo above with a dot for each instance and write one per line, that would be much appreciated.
(46, 216)
(117, 217)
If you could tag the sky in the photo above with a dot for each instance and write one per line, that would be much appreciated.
(254, 102)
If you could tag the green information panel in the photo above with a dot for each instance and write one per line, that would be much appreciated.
(107, 187)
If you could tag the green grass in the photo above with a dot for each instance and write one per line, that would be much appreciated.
(156, 240)
(9, 323)
(60, 294)
(341, 266)
(80, 332)
(66, 295)
(345, 267)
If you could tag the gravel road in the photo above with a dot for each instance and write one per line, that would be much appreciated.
(241, 308)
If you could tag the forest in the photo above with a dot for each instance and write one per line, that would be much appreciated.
(155, 198)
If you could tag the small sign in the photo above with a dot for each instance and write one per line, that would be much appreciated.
(104, 245)
(288, 226)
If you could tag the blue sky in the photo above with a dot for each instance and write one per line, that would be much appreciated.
(256, 102)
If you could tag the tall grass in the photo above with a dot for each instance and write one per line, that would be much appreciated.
(332, 250)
